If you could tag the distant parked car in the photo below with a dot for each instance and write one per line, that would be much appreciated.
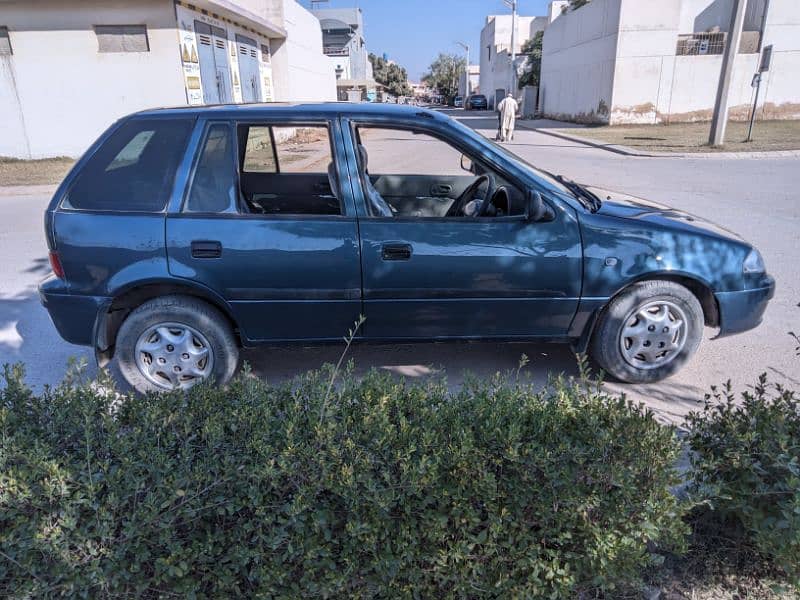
(185, 234)
(477, 102)
(458, 102)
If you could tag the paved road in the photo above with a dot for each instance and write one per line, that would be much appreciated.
(756, 197)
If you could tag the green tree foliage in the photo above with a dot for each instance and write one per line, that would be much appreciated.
(533, 64)
(370, 487)
(576, 4)
(391, 75)
(444, 73)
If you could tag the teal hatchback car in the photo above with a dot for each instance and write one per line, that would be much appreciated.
(185, 234)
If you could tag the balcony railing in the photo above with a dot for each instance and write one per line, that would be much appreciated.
(335, 51)
(699, 44)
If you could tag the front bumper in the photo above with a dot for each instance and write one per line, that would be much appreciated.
(74, 316)
(743, 310)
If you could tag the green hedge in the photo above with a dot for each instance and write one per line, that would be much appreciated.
(746, 466)
(378, 488)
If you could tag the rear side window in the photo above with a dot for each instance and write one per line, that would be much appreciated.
(275, 149)
(134, 169)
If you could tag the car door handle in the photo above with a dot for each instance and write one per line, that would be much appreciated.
(206, 249)
(396, 252)
(441, 189)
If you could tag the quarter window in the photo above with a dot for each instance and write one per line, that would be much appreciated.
(134, 169)
(122, 38)
(214, 187)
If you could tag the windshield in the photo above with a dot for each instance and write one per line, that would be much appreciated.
(519, 162)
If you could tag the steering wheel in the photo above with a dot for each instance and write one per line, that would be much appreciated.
(457, 208)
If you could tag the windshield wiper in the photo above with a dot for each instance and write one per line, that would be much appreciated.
(592, 201)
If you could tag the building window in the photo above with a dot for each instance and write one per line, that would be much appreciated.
(5, 41)
(122, 38)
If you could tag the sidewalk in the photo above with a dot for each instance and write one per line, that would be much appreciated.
(547, 126)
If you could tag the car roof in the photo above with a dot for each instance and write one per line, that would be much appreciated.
(289, 108)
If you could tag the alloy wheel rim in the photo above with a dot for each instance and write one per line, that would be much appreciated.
(653, 335)
(174, 356)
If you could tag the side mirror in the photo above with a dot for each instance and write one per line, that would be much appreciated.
(538, 210)
(466, 163)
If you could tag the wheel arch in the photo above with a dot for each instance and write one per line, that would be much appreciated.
(132, 296)
(700, 289)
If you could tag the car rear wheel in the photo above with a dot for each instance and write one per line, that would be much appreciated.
(175, 342)
(648, 332)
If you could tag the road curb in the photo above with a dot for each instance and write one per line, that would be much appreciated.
(627, 151)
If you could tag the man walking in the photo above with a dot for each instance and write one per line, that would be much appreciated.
(508, 115)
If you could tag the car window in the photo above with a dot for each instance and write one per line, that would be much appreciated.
(407, 173)
(134, 169)
(288, 169)
(404, 152)
(214, 185)
(302, 149)
(259, 155)
(272, 149)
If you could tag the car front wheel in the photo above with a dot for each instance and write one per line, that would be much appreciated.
(648, 332)
(175, 342)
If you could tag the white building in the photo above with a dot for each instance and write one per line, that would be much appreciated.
(628, 61)
(346, 50)
(495, 51)
(470, 81)
(69, 68)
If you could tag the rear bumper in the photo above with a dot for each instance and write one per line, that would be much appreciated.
(743, 310)
(74, 316)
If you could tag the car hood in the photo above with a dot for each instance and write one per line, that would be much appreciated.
(616, 204)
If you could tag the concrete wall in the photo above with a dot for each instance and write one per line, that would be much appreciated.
(299, 68)
(578, 60)
(615, 61)
(58, 93)
(653, 85)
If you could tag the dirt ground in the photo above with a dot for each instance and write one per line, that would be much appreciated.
(693, 137)
(14, 171)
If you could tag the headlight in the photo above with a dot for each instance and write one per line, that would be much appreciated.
(754, 263)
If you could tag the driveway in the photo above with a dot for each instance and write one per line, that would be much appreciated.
(757, 197)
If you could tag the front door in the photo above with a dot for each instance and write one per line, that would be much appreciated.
(428, 274)
(263, 228)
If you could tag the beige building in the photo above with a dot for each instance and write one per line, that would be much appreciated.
(69, 68)
(629, 61)
(495, 51)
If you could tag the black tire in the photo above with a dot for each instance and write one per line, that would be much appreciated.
(606, 347)
(185, 310)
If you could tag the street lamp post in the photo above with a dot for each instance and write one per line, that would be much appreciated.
(467, 82)
(512, 4)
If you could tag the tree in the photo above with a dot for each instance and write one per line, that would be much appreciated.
(444, 73)
(576, 4)
(391, 75)
(533, 64)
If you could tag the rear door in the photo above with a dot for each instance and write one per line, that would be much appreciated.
(292, 274)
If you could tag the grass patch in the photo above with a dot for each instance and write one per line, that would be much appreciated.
(693, 137)
(15, 171)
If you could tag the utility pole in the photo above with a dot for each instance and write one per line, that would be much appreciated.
(467, 82)
(512, 4)
(720, 119)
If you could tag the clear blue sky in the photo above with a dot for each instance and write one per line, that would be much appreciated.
(413, 32)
